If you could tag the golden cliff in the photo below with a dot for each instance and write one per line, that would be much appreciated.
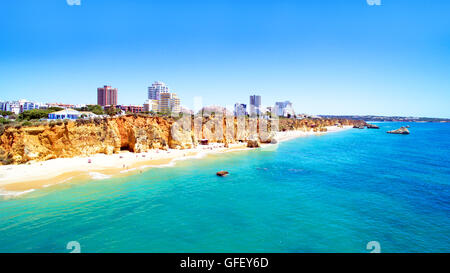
(20, 145)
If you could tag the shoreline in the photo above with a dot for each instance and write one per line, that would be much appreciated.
(17, 180)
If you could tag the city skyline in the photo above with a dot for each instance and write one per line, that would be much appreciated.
(394, 62)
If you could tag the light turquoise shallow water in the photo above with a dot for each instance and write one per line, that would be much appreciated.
(331, 193)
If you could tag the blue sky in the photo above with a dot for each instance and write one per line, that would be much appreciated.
(326, 56)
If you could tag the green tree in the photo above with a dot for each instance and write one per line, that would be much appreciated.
(6, 113)
(112, 111)
(4, 121)
(96, 109)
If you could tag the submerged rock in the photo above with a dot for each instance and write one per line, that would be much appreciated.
(222, 173)
(358, 126)
(400, 131)
(372, 126)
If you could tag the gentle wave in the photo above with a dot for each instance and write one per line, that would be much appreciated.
(15, 193)
(170, 164)
(63, 181)
(98, 176)
(197, 156)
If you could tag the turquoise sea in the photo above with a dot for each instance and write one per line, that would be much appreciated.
(330, 193)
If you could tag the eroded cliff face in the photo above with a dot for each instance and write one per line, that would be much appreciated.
(316, 125)
(83, 138)
(137, 134)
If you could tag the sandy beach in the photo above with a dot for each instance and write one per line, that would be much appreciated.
(16, 180)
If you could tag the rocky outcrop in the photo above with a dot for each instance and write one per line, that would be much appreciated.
(316, 124)
(372, 126)
(252, 143)
(400, 131)
(358, 126)
(139, 133)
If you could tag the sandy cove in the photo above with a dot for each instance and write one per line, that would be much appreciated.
(16, 180)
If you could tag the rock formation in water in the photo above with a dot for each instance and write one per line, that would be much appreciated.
(400, 131)
(139, 133)
(372, 126)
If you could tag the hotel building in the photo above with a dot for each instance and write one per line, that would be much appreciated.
(131, 108)
(106, 95)
(155, 91)
(255, 105)
(175, 104)
(169, 103)
(240, 109)
(284, 109)
(19, 106)
(151, 106)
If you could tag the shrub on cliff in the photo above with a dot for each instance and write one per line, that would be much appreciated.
(112, 111)
(5, 113)
(4, 121)
(82, 122)
(98, 120)
(5, 159)
(27, 123)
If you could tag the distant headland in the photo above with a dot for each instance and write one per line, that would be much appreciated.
(387, 118)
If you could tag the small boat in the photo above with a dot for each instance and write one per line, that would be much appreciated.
(222, 173)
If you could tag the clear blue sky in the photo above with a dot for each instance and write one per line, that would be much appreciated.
(326, 56)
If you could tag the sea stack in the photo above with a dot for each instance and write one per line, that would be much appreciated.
(400, 131)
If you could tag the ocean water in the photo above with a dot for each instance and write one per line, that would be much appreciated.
(330, 193)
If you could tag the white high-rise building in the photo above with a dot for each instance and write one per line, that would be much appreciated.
(240, 109)
(255, 105)
(13, 106)
(151, 105)
(167, 102)
(175, 104)
(284, 109)
(155, 91)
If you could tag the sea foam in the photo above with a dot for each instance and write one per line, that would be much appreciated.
(15, 193)
(98, 176)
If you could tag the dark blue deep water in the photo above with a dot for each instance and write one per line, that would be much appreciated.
(331, 193)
